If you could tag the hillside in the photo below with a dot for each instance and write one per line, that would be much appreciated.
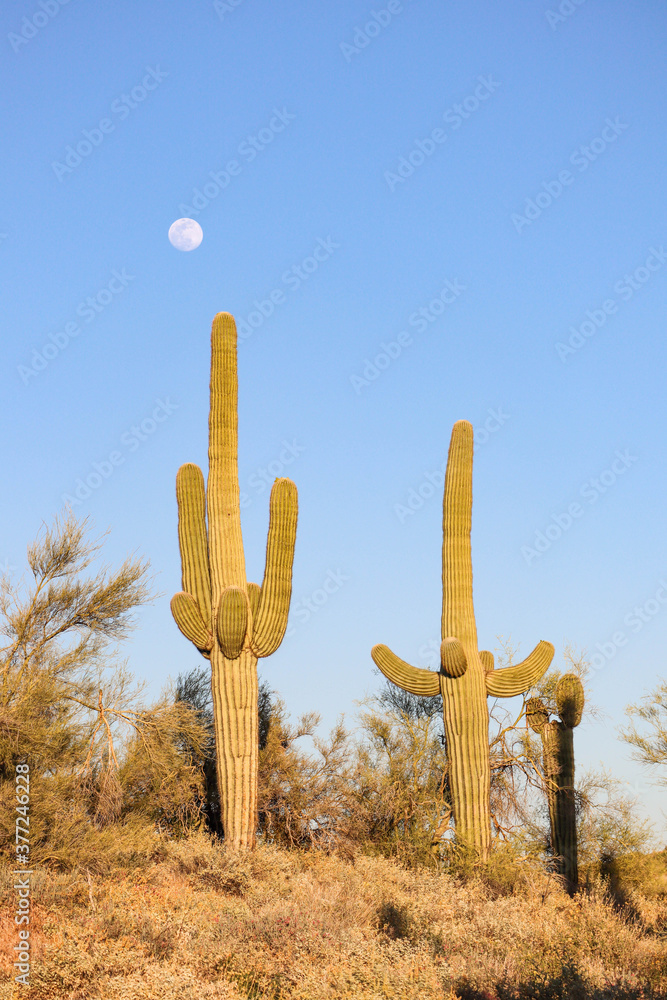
(194, 922)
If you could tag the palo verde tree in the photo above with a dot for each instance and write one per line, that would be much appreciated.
(71, 711)
(467, 677)
(58, 627)
(647, 731)
(231, 622)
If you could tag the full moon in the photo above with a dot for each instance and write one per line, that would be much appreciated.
(185, 234)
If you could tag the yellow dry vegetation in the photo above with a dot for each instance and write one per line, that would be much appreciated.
(199, 922)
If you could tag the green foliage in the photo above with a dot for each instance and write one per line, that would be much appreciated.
(609, 828)
(402, 803)
(160, 776)
(304, 798)
(58, 630)
(647, 731)
(99, 758)
(194, 689)
(514, 867)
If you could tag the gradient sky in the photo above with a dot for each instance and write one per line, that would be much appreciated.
(505, 162)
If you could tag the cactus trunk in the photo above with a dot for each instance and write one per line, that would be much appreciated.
(558, 744)
(550, 763)
(558, 761)
(467, 676)
(464, 698)
(235, 690)
(230, 621)
(466, 719)
(565, 825)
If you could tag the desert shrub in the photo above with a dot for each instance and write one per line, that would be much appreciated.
(400, 804)
(98, 757)
(304, 798)
(613, 840)
(646, 732)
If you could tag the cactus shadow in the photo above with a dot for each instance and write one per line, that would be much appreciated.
(569, 984)
(393, 921)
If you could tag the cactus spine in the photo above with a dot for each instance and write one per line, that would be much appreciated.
(467, 676)
(558, 757)
(230, 621)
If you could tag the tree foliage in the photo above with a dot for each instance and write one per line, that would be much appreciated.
(646, 732)
(69, 707)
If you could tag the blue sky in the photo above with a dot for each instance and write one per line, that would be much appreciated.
(484, 187)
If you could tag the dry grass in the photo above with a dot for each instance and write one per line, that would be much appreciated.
(197, 923)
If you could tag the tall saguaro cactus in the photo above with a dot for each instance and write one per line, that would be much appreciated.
(230, 621)
(558, 756)
(467, 676)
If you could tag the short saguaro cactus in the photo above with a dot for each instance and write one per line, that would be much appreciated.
(558, 762)
(230, 621)
(467, 676)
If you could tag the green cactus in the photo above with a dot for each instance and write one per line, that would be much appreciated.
(467, 676)
(558, 756)
(230, 621)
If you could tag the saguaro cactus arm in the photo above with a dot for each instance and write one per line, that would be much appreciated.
(510, 681)
(270, 617)
(453, 657)
(254, 591)
(487, 659)
(412, 679)
(570, 700)
(192, 539)
(188, 617)
(232, 624)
